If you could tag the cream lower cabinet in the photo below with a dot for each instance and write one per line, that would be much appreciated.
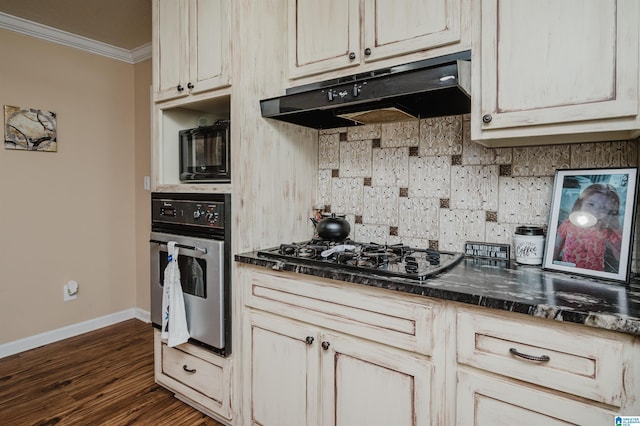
(322, 352)
(486, 400)
(555, 72)
(304, 375)
(317, 354)
(199, 377)
(514, 370)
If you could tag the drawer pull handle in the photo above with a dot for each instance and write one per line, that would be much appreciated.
(188, 370)
(325, 345)
(542, 358)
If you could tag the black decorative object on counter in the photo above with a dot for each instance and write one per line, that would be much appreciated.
(333, 228)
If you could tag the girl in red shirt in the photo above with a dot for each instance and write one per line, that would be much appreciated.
(585, 246)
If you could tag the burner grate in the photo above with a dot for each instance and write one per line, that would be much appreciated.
(396, 260)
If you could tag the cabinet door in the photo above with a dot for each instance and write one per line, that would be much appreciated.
(284, 372)
(390, 30)
(208, 44)
(323, 35)
(484, 400)
(170, 48)
(369, 384)
(549, 62)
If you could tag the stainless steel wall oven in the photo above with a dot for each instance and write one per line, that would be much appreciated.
(200, 225)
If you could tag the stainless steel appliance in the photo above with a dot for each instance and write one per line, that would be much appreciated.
(200, 225)
(392, 260)
(205, 153)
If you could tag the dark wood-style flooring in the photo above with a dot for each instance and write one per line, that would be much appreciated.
(104, 377)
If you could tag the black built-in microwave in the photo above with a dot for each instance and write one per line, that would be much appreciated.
(204, 153)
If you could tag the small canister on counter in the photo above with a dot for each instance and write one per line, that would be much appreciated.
(528, 242)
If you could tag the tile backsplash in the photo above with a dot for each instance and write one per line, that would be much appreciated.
(425, 183)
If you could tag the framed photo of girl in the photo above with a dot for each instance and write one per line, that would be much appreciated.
(591, 222)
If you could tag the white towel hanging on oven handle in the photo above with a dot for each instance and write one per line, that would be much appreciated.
(174, 316)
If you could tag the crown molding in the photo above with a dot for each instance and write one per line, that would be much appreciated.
(44, 32)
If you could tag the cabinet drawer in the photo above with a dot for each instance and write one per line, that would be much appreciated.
(351, 309)
(203, 376)
(581, 363)
(484, 400)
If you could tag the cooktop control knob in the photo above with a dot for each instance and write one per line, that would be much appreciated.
(212, 217)
(197, 214)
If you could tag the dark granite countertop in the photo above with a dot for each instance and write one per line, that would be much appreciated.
(505, 286)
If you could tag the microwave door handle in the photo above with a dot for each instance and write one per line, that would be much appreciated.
(163, 243)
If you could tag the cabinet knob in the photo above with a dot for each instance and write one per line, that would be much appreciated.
(189, 85)
(325, 345)
(180, 88)
(352, 55)
(487, 118)
(309, 340)
(367, 51)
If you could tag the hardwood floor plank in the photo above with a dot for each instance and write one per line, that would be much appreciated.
(104, 377)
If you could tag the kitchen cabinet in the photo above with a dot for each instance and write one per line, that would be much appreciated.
(313, 345)
(521, 370)
(306, 375)
(343, 358)
(336, 34)
(197, 376)
(494, 401)
(566, 76)
(170, 117)
(190, 47)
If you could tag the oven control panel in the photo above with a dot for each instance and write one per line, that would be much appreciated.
(208, 214)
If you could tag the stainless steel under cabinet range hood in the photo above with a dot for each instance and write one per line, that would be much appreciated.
(428, 88)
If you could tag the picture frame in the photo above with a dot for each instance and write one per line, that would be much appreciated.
(30, 129)
(591, 222)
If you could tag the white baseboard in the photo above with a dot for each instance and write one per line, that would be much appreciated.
(41, 339)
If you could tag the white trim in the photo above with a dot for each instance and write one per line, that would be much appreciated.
(141, 53)
(44, 32)
(72, 330)
(142, 315)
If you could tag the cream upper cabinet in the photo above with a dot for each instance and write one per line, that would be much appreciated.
(335, 34)
(190, 47)
(563, 71)
(323, 35)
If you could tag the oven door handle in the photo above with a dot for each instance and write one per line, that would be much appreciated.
(164, 243)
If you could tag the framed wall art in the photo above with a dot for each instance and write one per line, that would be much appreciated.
(30, 129)
(591, 222)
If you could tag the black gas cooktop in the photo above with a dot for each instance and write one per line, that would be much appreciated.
(396, 260)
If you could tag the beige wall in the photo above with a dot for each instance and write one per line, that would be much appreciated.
(142, 169)
(71, 215)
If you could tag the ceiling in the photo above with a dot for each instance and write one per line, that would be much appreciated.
(120, 23)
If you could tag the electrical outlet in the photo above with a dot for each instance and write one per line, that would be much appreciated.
(70, 291)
